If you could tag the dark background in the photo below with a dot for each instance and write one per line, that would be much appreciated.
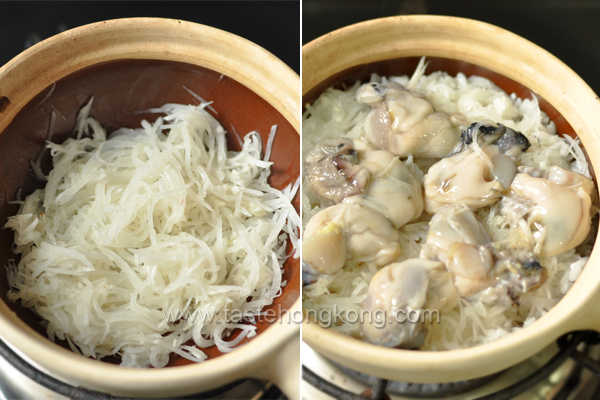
(274, 25)
(569, 29)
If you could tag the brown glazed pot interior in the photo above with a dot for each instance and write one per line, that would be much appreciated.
(121, 89)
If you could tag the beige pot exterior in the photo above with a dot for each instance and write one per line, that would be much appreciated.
(271, 354)
(507, 54)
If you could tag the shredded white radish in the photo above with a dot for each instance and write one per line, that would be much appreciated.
(156, 236)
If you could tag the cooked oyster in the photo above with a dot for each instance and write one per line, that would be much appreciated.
(405, 123)
(555, 205)
(332, 170)
(476, 177)
(348, 232)
(393, 190)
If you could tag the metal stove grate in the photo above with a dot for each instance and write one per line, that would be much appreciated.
(568, 349)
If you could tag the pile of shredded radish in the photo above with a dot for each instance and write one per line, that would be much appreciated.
(152, 237)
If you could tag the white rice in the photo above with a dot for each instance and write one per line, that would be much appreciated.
(336, 114)
(156, 236)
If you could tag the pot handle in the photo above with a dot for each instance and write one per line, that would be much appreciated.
(283, 369)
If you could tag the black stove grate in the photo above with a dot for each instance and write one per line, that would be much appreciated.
(568, 349)
(421, 390)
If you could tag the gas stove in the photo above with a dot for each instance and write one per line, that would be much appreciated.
(566, 370)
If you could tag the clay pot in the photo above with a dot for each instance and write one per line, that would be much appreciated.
(393, 46)
(130, 65)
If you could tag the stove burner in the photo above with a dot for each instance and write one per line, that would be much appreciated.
(264, 391)
(568, 348)
(421, 390)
